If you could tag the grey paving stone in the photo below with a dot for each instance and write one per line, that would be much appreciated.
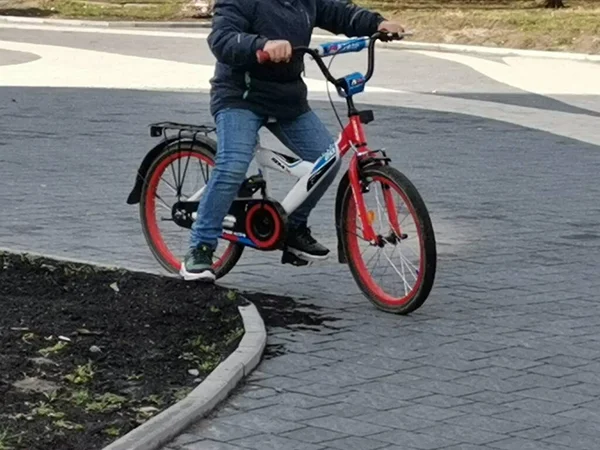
(342, 409)
(535, 418)
(411, 439)
(279, 382)
(435, 373)
(512, 363)
(535, 433)
(397, 418)
(494, 398)
(273, 442)
(566, 361)
(345, 425)
(261, 423)
(220, 430)
(582, 413)
(314, 435)
(515, 443)
(488, 423)
(541, 406)
(184, 439)
(360, 371)
(303, 400)
(443, 401)
(241, 403)
(394, 390)
(481, 408)
(589, 428)
(430, 412)
(356, 443)
(573, 440)
(329, 376)
(469, 435)
(210, 445)
(466, 447)
(375, 361)
(370, 400)
(486, 383)
(318, 389)
(555, 395)
(496, 372)
(535, 380)
(291, 413)
(452, 388)
(258, 392)
(585, 377)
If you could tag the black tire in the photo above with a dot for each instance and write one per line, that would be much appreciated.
(173, 152)
(425, 229)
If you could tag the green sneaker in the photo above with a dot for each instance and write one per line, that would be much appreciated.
(197, 264)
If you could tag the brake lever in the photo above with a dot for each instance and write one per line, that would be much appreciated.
(388, 37)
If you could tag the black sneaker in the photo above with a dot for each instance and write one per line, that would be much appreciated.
(301, 244)
(197, 264)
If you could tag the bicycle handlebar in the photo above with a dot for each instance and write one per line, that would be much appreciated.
(334, 48)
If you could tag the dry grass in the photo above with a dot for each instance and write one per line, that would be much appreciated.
(498, 23)
(99, 10)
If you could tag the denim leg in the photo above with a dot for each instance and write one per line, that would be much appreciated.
(237, 132)
(308, 137)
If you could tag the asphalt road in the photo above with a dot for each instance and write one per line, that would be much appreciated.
(504, 354)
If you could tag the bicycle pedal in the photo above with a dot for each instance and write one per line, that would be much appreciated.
(290, 258)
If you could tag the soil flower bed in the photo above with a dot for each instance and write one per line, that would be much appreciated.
(87, 354)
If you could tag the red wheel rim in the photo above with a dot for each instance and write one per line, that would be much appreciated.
(150, 211)
(273, 240)
(357, 258)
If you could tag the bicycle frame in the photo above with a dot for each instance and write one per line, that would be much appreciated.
(352, 137)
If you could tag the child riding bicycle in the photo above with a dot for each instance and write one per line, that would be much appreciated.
(246, 95)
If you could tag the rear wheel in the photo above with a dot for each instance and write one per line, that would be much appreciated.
(175, 176)
(396, 273)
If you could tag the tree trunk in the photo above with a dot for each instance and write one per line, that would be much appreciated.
(554, 4)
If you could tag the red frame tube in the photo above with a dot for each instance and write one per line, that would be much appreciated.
(353, 136)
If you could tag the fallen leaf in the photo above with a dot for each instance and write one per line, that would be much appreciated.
(194, 372)
(64, 338)
(115, 287)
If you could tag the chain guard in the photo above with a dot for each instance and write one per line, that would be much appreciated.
(259, 223)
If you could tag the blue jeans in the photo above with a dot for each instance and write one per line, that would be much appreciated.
(237, 133)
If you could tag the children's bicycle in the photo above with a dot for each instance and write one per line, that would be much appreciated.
(381, 220)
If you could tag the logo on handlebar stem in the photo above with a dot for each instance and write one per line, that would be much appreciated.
(351, 45)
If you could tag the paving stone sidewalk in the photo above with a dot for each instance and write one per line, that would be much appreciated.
(504, 355)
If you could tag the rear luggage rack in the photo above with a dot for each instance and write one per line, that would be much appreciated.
(161, 128)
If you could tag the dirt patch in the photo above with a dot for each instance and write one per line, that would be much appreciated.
(87, 354)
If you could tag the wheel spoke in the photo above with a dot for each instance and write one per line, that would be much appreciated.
(398, 272)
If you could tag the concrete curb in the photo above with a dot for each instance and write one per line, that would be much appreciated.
(406, 45)
(164, 427)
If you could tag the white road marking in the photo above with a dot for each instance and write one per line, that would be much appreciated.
(540, 76)
(71, 67)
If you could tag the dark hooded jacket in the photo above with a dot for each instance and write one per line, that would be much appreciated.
(241, 27)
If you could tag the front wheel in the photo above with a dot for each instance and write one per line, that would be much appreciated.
(397, 272)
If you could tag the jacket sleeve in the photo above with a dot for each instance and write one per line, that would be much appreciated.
(230, 40)
(340, 17)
